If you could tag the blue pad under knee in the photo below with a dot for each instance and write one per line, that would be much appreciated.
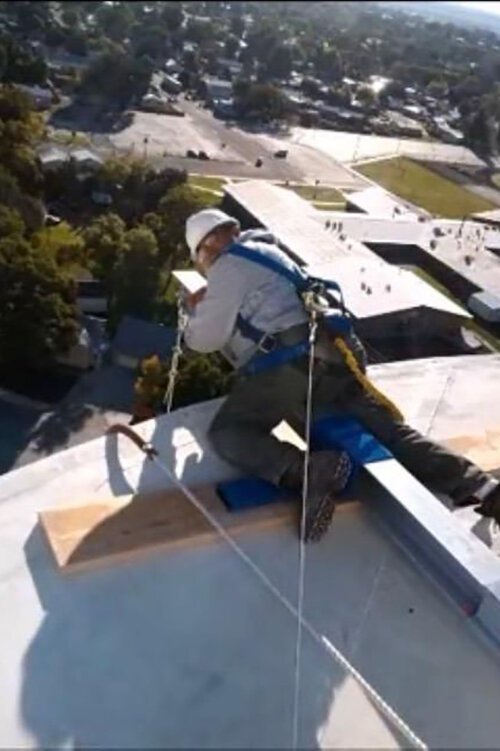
(250, 492)
(338, 433)
(347, 434)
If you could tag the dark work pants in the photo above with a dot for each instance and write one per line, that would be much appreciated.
(241, 431)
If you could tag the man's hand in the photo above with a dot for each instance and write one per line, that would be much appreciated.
(192, 300)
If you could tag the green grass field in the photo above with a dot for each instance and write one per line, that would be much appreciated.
(425, 188)
(313, 193)
(207, 183)
(66, 138)
(327, 206)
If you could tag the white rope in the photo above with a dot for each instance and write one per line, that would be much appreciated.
(296, 612)
(313, 325)
(176, 354)
(384, 707)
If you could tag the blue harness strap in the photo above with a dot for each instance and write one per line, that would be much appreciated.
(302, 282)
(292, 272)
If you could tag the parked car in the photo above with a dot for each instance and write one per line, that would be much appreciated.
(203, 155)
(258, 162)
(191, 154)
(281, 154)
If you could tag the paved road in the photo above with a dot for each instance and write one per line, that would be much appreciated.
(200, 130)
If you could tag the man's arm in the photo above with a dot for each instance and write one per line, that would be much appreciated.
(212, 320)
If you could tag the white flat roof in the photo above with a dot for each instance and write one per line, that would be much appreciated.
(287, 215)
(305, 232)
(455, 246)
(187, 650)
(376, 200)
(391, 289)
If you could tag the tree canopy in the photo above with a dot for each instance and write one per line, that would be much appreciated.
(38, 317)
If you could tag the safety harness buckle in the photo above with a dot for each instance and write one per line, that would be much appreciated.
(267, 344)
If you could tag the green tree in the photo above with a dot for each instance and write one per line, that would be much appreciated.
(114, 20)
(366, 96)
(63, 244)
(279, 62)
(11, 222)
(3, 61)
(201, 377)
(150, 385)
(38, 315)
(116, 76)
(137, 278)
(70, 14)
(199, 31)
(105, 244)
(263, 101)
(76, 41)
(437, 89)
(231, 46)
(30, 209)
(172, 15)
(150, 40)
(169, 222)
(237, 26)
(20, 129)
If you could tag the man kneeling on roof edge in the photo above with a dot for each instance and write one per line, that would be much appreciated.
(249, 309)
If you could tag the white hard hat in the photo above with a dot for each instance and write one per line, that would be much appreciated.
(202, 224)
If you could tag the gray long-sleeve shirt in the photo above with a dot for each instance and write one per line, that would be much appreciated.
(238, 286)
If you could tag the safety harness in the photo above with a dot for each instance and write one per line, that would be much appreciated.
(321, 297)
(314, 292)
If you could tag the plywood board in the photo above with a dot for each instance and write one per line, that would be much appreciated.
(85, 535)
(483, 449)
(105, 531)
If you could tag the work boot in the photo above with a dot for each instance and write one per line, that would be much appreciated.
(329, 473)
(490, 506)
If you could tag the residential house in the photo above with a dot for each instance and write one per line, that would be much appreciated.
(88, 350)
(172, 67)
(136, 339)
(216, 88)
(87, 161)
(52, 158)
(91, 297)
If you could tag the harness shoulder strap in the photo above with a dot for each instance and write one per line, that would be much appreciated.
(292, 273)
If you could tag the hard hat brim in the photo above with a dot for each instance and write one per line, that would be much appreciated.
(225, 223)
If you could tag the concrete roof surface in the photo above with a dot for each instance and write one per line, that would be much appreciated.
(457, 242)
(376, 200)
(306, 233)
(287, 215)
(391, 289)
(187, 650)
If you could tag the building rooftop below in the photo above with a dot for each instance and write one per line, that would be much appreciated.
(374, 287)
(492, 216)
(336, 240)
(376, 200)
(287, 215)
(468, 248)
(139, 339)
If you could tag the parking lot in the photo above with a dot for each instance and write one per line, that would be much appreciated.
(232, 151)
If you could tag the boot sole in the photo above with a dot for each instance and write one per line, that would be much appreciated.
(318, 521)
